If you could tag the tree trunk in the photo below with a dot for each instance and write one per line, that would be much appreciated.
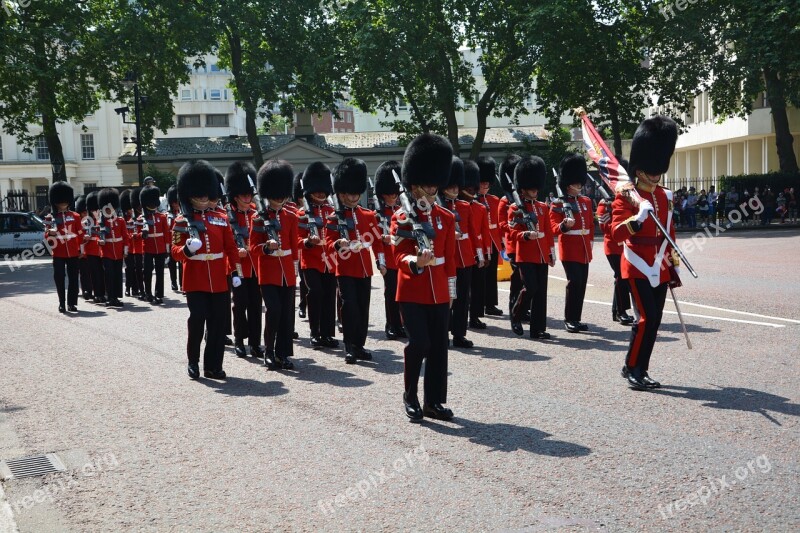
(783, 136)
(452, 127)
(615, 128)
(235, 42)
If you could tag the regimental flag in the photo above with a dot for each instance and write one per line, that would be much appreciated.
(611, 171)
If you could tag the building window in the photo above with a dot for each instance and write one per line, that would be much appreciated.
(186, 94)
(188, 121)
(216, 94)
(217, 120)
(349, 117)
(529, 101)
(402, 105)
(215, 68)
(42, 153)
(87, 146)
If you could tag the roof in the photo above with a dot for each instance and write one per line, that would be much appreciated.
(188, 146)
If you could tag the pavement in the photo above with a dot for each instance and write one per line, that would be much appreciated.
(547, 436)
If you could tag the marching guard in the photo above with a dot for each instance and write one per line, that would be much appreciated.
(480, 226)
(387, 192)
(488, 177)
(175, 272)
(136, 252)
(155, 237)
(92, 248)
(114, 243)
(64, 233)
(84, 268)
(507, 182)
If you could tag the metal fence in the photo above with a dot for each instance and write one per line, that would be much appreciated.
(22, 200)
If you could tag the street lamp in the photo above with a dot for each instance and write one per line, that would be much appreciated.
(130, 82)
(56, 164)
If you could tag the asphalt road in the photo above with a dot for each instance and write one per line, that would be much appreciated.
(547, 436)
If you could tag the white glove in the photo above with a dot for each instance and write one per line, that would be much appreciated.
(193, 245)
(236, 281)
(645, 207)
(297, 267)
(168, 248)
(677, 270)
(125, 251)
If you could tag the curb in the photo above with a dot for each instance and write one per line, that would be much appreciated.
(7, 524)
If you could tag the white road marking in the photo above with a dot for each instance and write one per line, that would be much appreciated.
(770, 324)
(565, 279)
(741, 312)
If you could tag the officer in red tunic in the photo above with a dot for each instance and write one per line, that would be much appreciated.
(92, 248)
(203, 242)
(425, 244)
(506, 180)
(175, 273)
(317, 275)
(532, 235)
(573, 223)
(349, 236)
(468, 246)
(483, 243)
(274, 242)
(156, 239)
(247, 316)
(648, 261)
(621, 301)
(488, 177)
(64, 236)
(387, 191)
(114, 243)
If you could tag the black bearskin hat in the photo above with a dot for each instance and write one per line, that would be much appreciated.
(317, 178)
(472, 175)
(350, 176)
(275, 179)
(384, 179)
(107, 196)
(172, 195)
(488, 168)
(297, 188)
(572, 171)
(125, 200)
(80, 204)
(92, 204)
(197, 178)
(150, 197)
(216, 192)
(507, 170)
(456, 173)
(653, 145)
(135, 201)
(236, 179)
(427, 161)
(530, 173)
(60, 193)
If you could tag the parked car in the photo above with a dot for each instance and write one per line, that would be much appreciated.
(20, 231)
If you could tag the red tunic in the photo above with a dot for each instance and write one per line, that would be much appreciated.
(311, 257)
(480, 223)
(117, 240)
(244, 219)
(363, 229)
(91, 246)
(388, 212)
(576, 243)
(276, 268)
(491, 203)
(467, 236)
(207, 269)
(157, 231)
(502, 222)
(431, 285)
(67, 242)
(539, 250)
(135, 233)
(604, 217)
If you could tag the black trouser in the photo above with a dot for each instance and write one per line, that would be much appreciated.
(131, 285)
(279, 301)
(460, 310)
(649, 304)
(175, 272)
(112, 268)
(355, 309)
(205, 311)
(390, 305)
(66, 266)
(426, 326)
(516, 287)
(621, 302)
(98, 277)
(320, 302)
(85, 271)
(577, 276)
(247, 312)
(477, 292)
(303, 293)
(490, 295)
(157, 261)
(534, 275)
(138, 261)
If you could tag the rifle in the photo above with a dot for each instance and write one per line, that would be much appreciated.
(271, 227)
(313, 230)
(530, 219)
(379, 209)
(239, 233)
(341, 223)
(567, 207)
(419, 232)
(193, 227)
(600, 187)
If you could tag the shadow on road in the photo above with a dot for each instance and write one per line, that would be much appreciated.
(234, 386)
(306, 369)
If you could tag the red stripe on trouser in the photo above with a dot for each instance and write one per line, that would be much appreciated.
(636, 343)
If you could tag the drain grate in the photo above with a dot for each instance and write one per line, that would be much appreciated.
(37, 465)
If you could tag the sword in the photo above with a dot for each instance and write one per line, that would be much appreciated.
(680, 317)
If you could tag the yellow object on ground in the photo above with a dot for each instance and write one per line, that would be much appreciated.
(503, 270)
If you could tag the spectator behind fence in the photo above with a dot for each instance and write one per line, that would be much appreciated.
(768, 199)
(791, 204)
(780, 207)
(720, 207)
(731, 201)
(712, 203)
(703, 207)
(691, 208)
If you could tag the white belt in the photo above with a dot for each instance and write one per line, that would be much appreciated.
(463, 237)
(577, 232)
(438, 261)
(65, 236)
(115, 239)
(151, 235)
(492, 226)
(280, 253)
(207, 257)
(539, 235)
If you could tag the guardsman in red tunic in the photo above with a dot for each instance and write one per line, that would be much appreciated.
(64, 235)
(216, 201)
(175, 273)
(387, 191)
(613, 250)
(350, 234)
(92, 248)
(488, 177)
(247, 296)
(84, 268)
(137, 244)
(297, 200)
(154, 230)
(425, 244)
(114, 243)
(507, 182)
(126, 205)
(530, 231)
(316, 275)
(483, 242)
(648, 262)
(274, 241)
(203, 242)
(573, 223)
(468, 246)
